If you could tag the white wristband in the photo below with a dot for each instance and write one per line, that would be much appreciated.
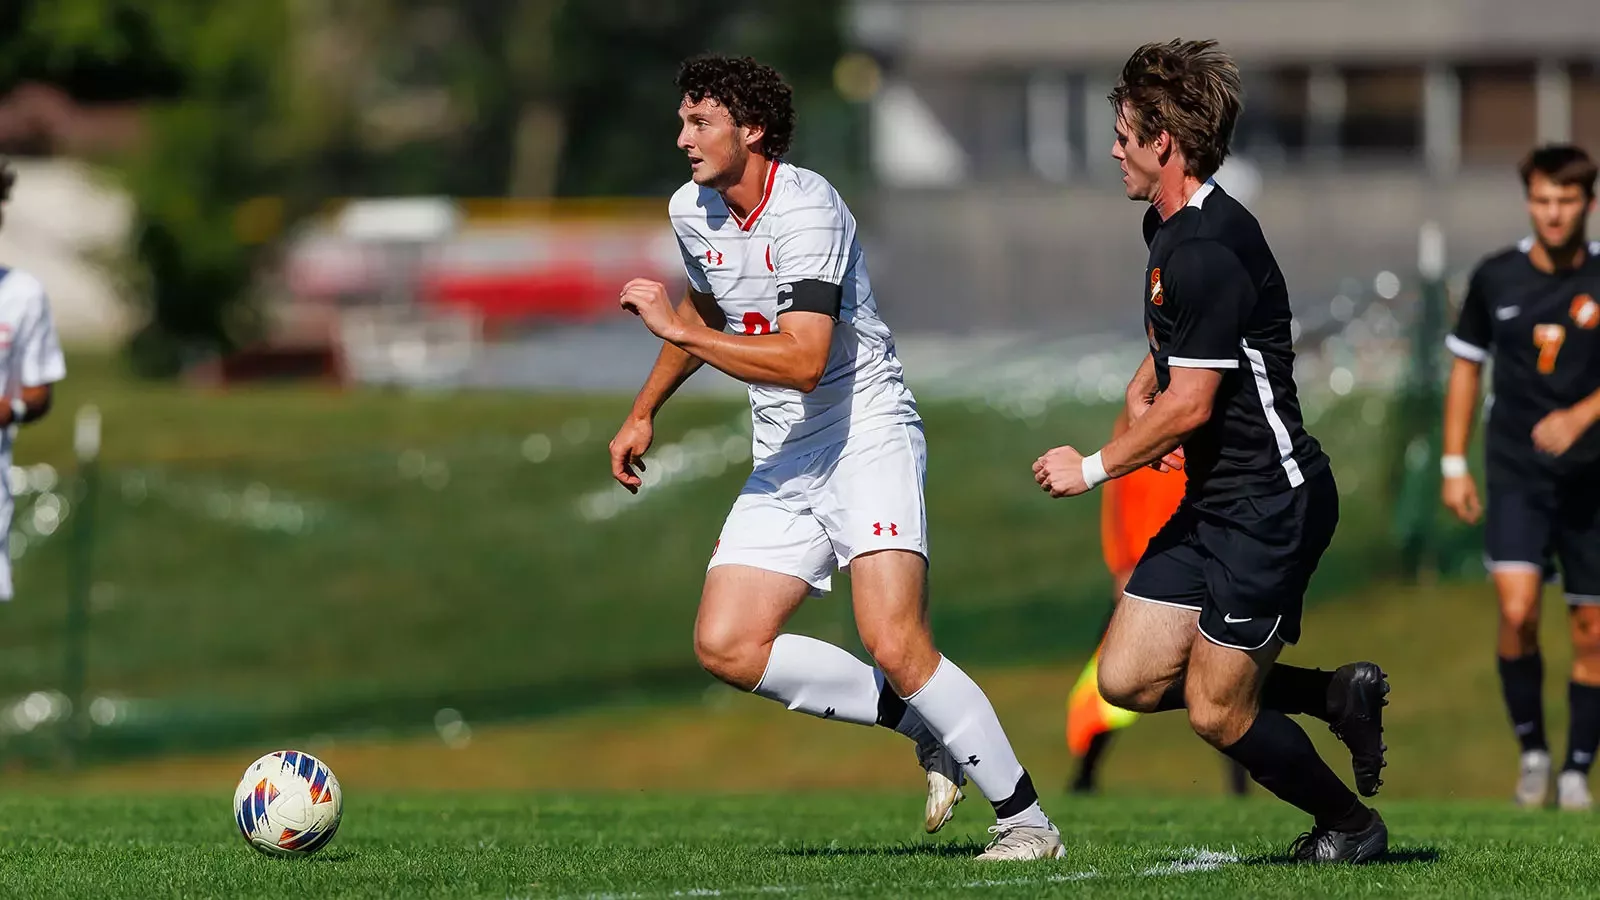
(1453, 466)
(19, 410)
(1094, 471)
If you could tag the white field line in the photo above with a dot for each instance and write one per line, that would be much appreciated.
(1190, 860)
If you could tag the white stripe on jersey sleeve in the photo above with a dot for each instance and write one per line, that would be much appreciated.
(1184, 362)
(1468, 352)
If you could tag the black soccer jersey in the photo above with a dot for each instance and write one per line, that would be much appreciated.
(1215, 299)
(1541, 328)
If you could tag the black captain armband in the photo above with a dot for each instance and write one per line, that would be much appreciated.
(810, 295)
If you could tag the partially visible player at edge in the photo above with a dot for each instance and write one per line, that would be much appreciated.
(1218, 591)
(30, 362)
(1535, 308)
(779, 298)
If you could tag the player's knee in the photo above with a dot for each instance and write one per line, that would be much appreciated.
(1218, 724)
(1522, 622)
(907, 657)
(1121, 688)
(1586, 632)
(729, 655)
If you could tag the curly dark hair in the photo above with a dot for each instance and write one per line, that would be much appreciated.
(752, 93)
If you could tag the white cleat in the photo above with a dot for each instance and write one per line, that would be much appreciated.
(1533, 785)
(944, 783)
(1024, 842)
(1572, 791)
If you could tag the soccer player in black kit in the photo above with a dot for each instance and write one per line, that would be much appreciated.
(1218, 591)
(1535, 308)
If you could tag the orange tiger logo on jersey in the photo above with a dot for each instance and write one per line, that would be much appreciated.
(1155, 287)
(1585, 311)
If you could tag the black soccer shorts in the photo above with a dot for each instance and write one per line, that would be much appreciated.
(1533, 523)
(1244, 564)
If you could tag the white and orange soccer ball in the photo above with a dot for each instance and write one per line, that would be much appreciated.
(288, 804)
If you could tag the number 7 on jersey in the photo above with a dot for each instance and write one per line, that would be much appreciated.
(1548, 338)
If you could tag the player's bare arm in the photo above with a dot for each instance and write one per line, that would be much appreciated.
(1176, 412)
(793, 357)
(1142, 388)
(672, 368)
(1558, 431)
(1458, 490)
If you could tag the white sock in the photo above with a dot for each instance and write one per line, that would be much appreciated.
(819, 679)
(957, 713)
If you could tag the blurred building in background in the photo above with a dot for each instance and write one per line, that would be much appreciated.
(999, 204)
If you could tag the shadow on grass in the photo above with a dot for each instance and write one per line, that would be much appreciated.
(1393, 857)
(960, 850)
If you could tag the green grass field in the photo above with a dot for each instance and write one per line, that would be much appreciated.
(286, 560)
(810, 845)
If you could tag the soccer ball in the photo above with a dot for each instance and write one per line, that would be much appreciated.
(288, 804)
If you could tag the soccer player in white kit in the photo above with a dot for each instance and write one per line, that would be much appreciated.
(779, 298)
(30, 362)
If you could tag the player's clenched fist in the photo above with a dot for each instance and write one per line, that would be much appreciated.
(648, 300)
(1060, 472)
(628, 449)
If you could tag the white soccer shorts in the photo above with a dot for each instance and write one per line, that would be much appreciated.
(809, 514)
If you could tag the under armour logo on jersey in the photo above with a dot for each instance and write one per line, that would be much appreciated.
(1155, 287)
(970, 761)
(714, 257)
(877, 529)
(828, 713)
(1506, 313)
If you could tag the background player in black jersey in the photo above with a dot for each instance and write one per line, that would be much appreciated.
(1218, 590)
(1536, 308)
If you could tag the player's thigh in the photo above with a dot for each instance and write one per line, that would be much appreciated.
(889, 589)
(742, 607)
(868, 493)
(1146, 646)
(771, 555)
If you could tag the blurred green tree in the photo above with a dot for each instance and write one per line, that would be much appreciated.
(259, 111)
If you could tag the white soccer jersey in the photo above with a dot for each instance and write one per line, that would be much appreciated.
(801, 230)
(30, 356)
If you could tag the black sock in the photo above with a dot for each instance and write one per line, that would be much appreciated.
(1281, 759)
(891, 709)
(1583, 734)
(1023, 797)
(1288, 689)
(1522, 681)
(1084, 782)
(1297, 692)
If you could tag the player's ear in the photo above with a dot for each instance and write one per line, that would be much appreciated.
(752, 136)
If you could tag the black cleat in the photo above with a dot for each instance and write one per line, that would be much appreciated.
(1356, 698)
(1324, 845)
